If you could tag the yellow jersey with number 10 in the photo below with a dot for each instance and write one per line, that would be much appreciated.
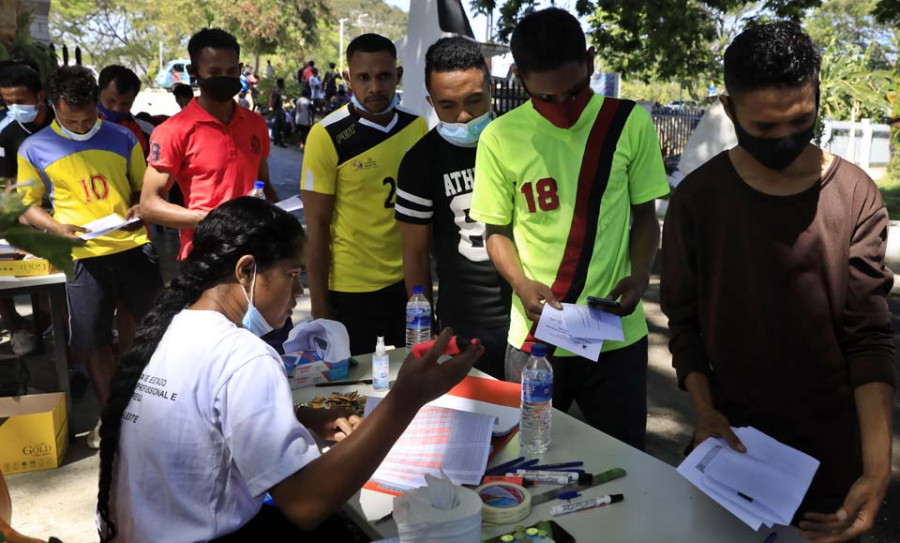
(357, 161)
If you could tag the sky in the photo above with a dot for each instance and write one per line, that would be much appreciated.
(479, 23)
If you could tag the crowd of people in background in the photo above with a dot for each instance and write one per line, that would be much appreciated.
(550, 203)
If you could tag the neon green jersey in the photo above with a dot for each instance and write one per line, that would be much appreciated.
(568, 195)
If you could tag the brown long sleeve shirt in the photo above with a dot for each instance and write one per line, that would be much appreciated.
(780, 300)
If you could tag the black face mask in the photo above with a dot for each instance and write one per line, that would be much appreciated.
(220, 88)
(773, 153)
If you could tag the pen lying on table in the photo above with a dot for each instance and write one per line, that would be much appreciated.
(342, 383)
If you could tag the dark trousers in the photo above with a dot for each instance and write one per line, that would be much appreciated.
(271, 525)
(278, 127)
(368, 315)
(494, 341)
(611, 393)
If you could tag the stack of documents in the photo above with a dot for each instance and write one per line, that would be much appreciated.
(294, 203)
(438, 439)
(106, 225)
(579, 329)
(765, 485)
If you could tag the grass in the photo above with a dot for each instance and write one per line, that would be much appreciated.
(890, 192)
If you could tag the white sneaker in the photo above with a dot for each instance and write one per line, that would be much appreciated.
(93, 437)
(23, 343)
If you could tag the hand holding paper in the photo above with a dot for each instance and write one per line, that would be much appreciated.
(579, 329)
(106, 225)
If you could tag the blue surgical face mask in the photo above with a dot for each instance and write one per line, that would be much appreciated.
(253, 319)
(80, 137)
(387, 110)
(465, 134)
(22, 113)
(114, 116)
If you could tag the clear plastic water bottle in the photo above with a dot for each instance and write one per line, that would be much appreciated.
(380, 366)
(258, 191)
(537, 402)
(418, 317)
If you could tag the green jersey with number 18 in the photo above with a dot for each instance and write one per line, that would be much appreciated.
(568, 194)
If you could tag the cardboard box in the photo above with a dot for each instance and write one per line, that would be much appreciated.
(306, 369)
(28, 267)
(34, 432)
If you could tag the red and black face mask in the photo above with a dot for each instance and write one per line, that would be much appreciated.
(566, 113)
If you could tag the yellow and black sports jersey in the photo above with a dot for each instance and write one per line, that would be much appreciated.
(357, 161)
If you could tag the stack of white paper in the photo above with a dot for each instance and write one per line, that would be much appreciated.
(106, 225)
(294, 203)
(765, 485)
(437, 440)
(579, 329)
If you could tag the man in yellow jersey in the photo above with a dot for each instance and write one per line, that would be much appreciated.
(349, 185)
(91, 169)
(566, 184)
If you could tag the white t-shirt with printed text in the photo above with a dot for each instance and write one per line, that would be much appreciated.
(210, 429)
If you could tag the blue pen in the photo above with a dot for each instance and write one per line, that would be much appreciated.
(504, 466)
(562, 465)
(772, 537)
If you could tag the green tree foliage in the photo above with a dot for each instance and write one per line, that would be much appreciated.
(888, 12)
(128, 32)
(661, 39)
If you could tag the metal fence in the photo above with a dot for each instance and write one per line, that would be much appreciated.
(507, 94)
(674, 128)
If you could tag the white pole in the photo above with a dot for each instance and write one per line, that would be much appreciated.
(341, 51)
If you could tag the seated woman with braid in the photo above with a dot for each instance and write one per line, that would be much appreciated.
(200, 424)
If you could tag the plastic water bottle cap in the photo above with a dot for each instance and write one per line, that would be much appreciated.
(538, 350)
(418, 289)
(259, 185)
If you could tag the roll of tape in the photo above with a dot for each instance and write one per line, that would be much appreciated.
(503, 503)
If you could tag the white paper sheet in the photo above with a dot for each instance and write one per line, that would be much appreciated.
(107, 224)
(294, 203)
(584, 322)
(552, 329)
(438, 439)
(765, 485)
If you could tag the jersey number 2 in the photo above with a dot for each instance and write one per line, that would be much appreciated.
(389, 202)
(547, 198)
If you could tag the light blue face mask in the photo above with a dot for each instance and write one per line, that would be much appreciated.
(465, 134)
(22, 113)
(253, 319)
(387, 110)
(80, 137)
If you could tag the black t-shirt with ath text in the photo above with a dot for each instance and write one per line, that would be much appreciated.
(435, 188)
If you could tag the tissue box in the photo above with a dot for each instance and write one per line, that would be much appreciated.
(34, 432)
(306, 369)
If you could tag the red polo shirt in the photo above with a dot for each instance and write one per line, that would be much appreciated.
(212, 162)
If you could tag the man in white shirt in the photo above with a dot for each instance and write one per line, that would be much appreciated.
(317, 92)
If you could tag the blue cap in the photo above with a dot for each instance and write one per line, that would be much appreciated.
(261, 185)
(539, 350)
(418, 289)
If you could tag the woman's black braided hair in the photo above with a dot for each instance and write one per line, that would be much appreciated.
(244, 226)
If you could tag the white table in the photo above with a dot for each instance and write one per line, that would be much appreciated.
(54, 285)
(659, 506)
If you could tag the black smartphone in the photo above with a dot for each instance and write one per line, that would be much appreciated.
(603, 303)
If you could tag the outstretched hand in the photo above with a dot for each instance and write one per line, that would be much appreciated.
(423, 379)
